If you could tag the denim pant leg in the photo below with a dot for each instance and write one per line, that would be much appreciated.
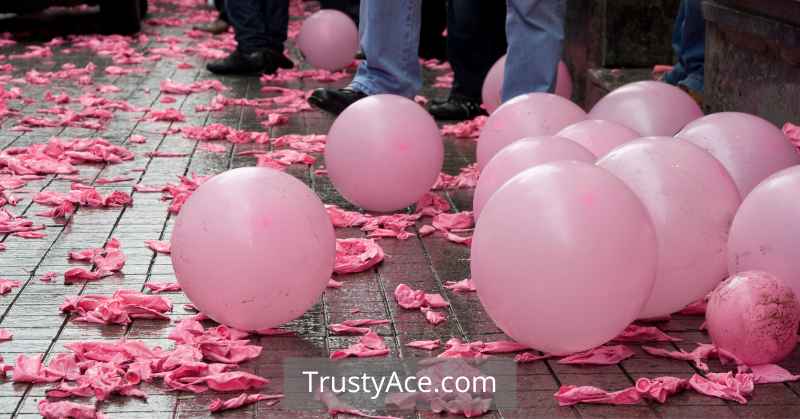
(389, 31)
(677, 73)
(259, 24)
(476, 39)
(692, 55)
(535, 30)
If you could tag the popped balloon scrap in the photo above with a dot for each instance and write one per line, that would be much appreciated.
(356, 255)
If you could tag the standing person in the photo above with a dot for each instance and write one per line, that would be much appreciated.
(260, 28)
(390, 38)
(689, 43)
(220, 25)
(476, 39)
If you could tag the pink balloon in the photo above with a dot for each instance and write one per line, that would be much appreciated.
(493, 84)
(563, 257)
(691, 200)
(253, 248)
(531, 115)
(599, 137)
(328, 40)
(754, 316)
(750, 147)
(519, 156)
(648, 107)
(384, 152)
(765, 232)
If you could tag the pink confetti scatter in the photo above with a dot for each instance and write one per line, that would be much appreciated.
(5, 335)
(159, 246)
(137, 139)
(428, 345)
(57, 156)
(356, 255)
(465, 285)
(465, 129)
(107, 260)
(68, 409)
(169, 86)
(638, 334)
(6, 285)
(727, 386)
(180, 192)
(369, 345)
(280, 159)
(84, 195)
(219, 132)
(158, 287)
(466, 178)
(792, 133)
(165, 115)
(10, 223)
(602, 355)
(219, 405)
(355, 327)
(120, 308)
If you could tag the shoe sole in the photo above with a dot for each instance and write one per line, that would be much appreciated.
(313, 101)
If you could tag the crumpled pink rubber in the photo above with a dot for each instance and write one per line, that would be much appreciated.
(341, 218)
(638, 334)
(29, 369)
(158, 287)
(59, 155)
(68, 409)
(412, 299)
(602, 355)
(5, 335)
(85, 196)
(527, 357)
(180, 192)
(336, 406)
(356, 255)
(466, 129)
(217, 344)
(728, 386)
(355, 327)
(171, 87)
(10, 223)
(453, 221)
(431, 205)
(219, 405)
(455, 348)
(465, 179)
(432, 316)
(31, 234)
(771, 373)
(369, 345)
(6, 285)
(660, 388)
(107, 260)
(311, 143)
(424, 344)
(281, 159)
(158, 246)
(698, 356)
(120, 308)
(165, 115)
(792, 133)
(570, 395)
(393, 226)
(697, 308)
(465, 285)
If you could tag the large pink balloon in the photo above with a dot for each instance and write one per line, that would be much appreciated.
(564, 257)
(599, 137)
(384, 152)
(754, 316)
(328, 40)
(519, 156)
(691, 200)
(493, 84)
(253, 248)
(530, 115)
(648, 107)
(750, 147)
(766, 230)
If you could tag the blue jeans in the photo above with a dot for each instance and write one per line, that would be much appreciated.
(688, 41)
(390, 38)
(259, 24)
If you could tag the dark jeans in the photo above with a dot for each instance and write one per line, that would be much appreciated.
(689, 43)
(476, 39)
(348, 7)
(259, 24)
(223, 15)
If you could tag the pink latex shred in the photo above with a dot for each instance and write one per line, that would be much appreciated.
(158, 246)
(356, 255)
(792, 133)
(428, 345)
(728, 386)
(219, 405)
(5, 335)
(639, 334)
(158, 287)
(602, 355)
(698, 356)
(355, 327)
(771, 373)
(465, 285)
(6, 285)
(657, 389)
(68, 409)
(121, 308)
(368, 345)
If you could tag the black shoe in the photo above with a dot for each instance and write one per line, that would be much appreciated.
(455, 108)
(255, 63)
(335, 100)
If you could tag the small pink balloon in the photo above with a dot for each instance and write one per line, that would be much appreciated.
(764, 235)
(754, 316)
(493, 84)
(599, 137)
(564, 257)
(328, 40)
(384, 152)
(519, 156)
(530, 115)
(691, 200)
(650, 108)
(253, 248)
(750, 147)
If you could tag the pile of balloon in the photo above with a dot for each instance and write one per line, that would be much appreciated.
(585, 222)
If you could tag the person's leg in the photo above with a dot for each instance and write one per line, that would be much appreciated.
(390, 38)
(535, 30)
(249, 24)
(692, 56)
(677, 73)
(276, 18)
(223, 14)
(221, 24)
(432, 44)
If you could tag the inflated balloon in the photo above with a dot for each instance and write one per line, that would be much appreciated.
(384, 152)
(650, 108)
(564, 257)
(692, 201)
(328, 40)
(754, 316)
(530, 115)
(599, 137)
(520, 155)
(253, 248)
(764, 235)
(493, 84)
(750, 147)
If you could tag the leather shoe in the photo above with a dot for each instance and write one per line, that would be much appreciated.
(255, 63)
(215, 28)
(334, 100)
(455, 108)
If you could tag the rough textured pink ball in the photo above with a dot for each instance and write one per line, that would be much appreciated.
(751, 148)
(563, 257)
(519, 156)
(253, 248)
(599, 137)
(384, 152)
(754, 315)
(650, 108)
(493, 84)
(328, 40)
(766, 230)
(530, 115)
